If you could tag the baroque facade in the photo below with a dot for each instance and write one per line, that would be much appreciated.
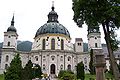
(52, 48)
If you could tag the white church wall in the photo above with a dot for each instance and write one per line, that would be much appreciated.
(10, 37)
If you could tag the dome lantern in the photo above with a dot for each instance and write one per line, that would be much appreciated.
(52, 16)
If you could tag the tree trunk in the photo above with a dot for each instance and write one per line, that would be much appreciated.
(111, 55)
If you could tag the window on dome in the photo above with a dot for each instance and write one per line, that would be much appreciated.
(53, 44)
(62, 44)
(43, 44)
(7, 58)
(8, 43)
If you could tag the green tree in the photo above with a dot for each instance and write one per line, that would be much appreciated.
(100, 12)
(38, 71)
(91, 65)
(28, 71)
(80, 71)
(110, 71)
(66, 74)
(13, 72)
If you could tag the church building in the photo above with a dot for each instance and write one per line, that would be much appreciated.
(52, 48)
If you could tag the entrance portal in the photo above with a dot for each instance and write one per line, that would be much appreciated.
(52, 69)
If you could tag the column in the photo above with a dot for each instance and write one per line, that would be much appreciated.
(99, 62)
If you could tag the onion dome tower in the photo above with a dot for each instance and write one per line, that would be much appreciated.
(12, 28)
(10, 37)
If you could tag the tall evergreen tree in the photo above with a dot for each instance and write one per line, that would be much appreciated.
(14, 71)
(91, 65)
(38, 71)
(100, 12)
(80, 71)
(28, 71)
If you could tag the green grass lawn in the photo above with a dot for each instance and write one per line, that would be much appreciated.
(1, 77)
(88, 76)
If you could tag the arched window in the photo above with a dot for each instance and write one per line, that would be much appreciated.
(69, 67)
(6, 66)
(8, 44)
(7, 58)
(43, 44)
(36, 58)
(62, 44)
(53, 44)
(69, 58)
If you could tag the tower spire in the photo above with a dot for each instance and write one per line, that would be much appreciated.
(53, 6)
(12, 22)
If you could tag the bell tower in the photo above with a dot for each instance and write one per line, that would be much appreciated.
(10, 37)
(94, 38)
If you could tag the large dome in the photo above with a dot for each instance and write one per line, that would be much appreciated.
(52, 26)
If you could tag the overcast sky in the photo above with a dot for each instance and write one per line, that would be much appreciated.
(32, 14)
